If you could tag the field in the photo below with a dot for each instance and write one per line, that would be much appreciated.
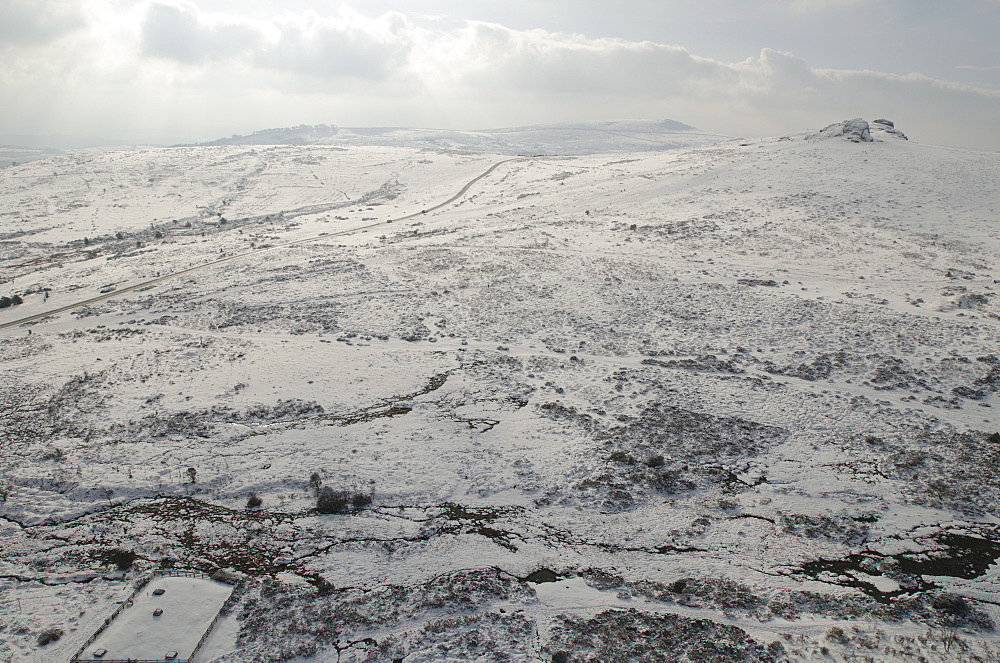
(187, 608)
(739, 399)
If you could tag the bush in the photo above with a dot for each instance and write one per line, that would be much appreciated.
(341, 501)
(315, 482)
(254, 501)
(49, 635)
(122, 559)
(360, 501)
(621, 457)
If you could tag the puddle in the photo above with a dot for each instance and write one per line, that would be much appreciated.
(947, 554)
(542, 575)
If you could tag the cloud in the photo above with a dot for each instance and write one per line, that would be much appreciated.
(815, 6)
(169, 67)
(24, 22)
(346, 45)
(180, 32)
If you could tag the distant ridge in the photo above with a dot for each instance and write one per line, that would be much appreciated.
(548, 139)
(55, 142)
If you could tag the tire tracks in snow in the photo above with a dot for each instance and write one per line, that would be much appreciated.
(173, 275)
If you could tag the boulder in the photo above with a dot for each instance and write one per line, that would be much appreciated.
(856, 131)
(886, 128)
(859, 131)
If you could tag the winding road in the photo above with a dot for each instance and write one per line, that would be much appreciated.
(172, 275)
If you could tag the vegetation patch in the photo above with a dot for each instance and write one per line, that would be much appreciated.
(620, 636)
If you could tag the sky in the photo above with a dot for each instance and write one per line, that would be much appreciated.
(163, 71)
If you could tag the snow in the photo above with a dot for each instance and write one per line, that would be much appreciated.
(189, 605)
(555, 139)
(752, 370)
(856, 131)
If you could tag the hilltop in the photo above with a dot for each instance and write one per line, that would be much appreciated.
(547, 139)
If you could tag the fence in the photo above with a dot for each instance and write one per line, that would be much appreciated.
(208, 631)
(183, 573)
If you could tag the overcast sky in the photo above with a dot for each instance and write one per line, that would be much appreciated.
(177, 70)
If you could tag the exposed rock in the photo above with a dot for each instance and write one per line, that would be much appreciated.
(881, 128)
(856, 131)
(859, 131)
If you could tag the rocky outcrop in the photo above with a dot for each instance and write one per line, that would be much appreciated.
(886, 128)
(856, 131)
(859, 131)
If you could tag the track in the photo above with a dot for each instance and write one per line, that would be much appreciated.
(173, 275)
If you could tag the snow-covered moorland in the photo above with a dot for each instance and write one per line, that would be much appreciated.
(732, 402)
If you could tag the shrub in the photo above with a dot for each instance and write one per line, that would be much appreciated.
(329, 500)
(360, 501)
(315, 482)
(254, 501)
(49, 635)
(122, 559)
(341, 501)
(621, 457)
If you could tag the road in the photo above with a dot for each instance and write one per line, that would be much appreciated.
(173, 275)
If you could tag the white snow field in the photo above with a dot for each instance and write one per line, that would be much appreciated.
(731, 402)
(187, 605)
(557, 139)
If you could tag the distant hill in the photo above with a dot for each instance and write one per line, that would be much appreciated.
(547, 139)
(55, 142)
(19, 148)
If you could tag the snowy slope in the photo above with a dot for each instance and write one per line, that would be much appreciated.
(739, 397)
(550, 139)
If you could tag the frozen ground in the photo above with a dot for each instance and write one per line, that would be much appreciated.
(562, 138)
(188, 607)
(738, 398)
